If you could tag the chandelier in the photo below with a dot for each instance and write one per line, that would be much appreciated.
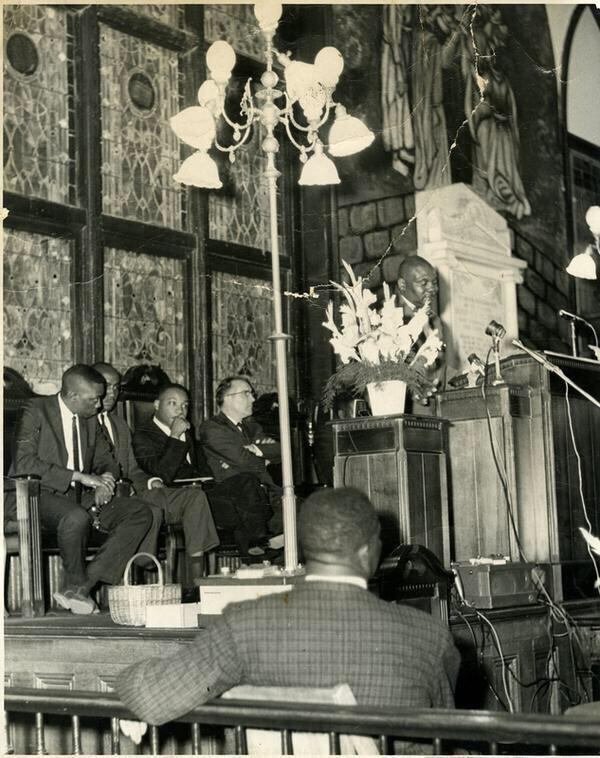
(299, 107)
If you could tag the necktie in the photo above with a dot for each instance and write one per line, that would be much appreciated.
(106, 431)
(76, 460)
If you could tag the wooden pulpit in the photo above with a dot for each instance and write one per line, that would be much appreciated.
(400, 463)
(533, 445)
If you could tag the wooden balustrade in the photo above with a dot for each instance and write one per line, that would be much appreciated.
(491, 732)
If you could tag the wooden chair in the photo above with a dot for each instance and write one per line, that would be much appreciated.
(23, 538)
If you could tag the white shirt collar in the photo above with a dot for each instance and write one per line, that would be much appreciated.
(164, 428)
(339, 579)
(235, 423)
(66, 417)
(412, 306)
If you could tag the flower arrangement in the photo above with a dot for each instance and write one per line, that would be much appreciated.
(375, 345)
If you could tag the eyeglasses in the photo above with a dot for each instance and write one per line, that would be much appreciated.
(241, 392)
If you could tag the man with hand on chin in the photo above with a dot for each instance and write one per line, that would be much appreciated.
(165, 448)
(186, 506)
(59, 440)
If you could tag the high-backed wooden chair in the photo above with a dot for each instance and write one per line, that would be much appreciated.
(22, 536)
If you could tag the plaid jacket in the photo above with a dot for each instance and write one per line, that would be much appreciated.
(318, 635)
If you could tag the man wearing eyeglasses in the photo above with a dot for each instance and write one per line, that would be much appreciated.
(233, 441)
(165, 447)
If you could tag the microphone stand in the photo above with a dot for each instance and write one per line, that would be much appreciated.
(556, 370)
(573, 337)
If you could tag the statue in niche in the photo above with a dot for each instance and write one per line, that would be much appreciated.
(418, 42)
(493, 117)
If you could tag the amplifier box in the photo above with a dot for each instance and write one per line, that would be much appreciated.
(501, 585)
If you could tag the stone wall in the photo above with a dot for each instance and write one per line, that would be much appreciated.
(547, 289)
(374, 237)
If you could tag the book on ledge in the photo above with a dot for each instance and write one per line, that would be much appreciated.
(194, 480)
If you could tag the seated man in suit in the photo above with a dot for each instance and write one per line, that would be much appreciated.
(165, 448)
(235, 443)
(186, 506)
(59, 440)
(325, 631)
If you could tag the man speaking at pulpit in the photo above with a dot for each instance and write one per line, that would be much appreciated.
(417, 288)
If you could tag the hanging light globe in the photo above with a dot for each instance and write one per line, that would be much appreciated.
(199, 170)
(195, 126)
(592, 219)
(220, 59)
(209, 96)
(584, 265)
(268, 14)
(348, 134)
(319, 169)
(329, 64)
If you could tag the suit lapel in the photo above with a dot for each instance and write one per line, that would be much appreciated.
(55, 422)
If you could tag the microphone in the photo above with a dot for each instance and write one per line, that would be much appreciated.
(570, 316)
(476, 364)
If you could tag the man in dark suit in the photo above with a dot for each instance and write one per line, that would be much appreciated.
(165, 448)
(58, 439)
(327, 630)
(187, 506)
(418, 288)
(233, 441)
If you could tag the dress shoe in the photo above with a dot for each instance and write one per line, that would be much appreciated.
(74, 600)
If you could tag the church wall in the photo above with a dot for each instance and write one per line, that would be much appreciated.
(375, 203)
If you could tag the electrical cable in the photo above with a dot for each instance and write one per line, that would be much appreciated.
(496, 638)
(581, 494)
(500, 468)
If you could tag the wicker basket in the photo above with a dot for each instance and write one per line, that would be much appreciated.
(128, 603)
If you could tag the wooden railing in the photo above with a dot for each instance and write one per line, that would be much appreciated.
(440, 730)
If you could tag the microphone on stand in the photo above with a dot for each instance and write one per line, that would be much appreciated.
(496, 331)
(572, 318)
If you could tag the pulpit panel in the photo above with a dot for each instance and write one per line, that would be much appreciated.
(400, 463)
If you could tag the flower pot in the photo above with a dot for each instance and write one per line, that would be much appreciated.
(386, 398)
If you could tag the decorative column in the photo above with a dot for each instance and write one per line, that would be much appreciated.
(469, 244)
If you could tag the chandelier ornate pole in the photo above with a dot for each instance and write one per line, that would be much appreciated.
(307, 105)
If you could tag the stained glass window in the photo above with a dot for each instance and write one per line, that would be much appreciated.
(237, 25)
(144, 306)
(140, 152)
(37, 308)
(168, 14)
(239, 212)
(37, 137)
(242, 320)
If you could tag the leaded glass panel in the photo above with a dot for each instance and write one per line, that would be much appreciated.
(37, 308)
(237, 25)
(239, 212)
(37, 137)
(144, 303)
(168, 14)
(140, 152)
(242, 320)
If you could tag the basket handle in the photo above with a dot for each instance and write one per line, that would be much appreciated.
(127, 574)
